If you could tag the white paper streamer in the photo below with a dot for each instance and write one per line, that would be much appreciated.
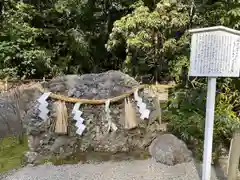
(79, 122)
(44, 97)
(142, 106)
(80, 129)
(145, 114)
(107, 104)
(136, 96)
(43, 116)
(111, 125)
(76, 108)
(43, 106)
(77, 116)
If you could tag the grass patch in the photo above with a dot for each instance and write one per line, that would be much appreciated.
(12, 153)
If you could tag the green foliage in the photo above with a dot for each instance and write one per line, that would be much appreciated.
(46, 38)
(222, 12)
(187, 116)
(19, 53)
(155, 41)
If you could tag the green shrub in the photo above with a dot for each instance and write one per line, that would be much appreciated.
(186, 116)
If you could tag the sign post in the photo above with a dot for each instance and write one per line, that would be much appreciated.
(209, 122)
(215, 52)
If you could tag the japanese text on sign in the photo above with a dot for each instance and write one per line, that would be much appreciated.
(215, 54)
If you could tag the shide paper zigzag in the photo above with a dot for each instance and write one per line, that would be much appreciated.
(43, 106)
(77, 116)
(142, 106)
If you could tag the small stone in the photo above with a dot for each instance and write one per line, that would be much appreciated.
(61, 151)
(60, 141)
(30, 165)
(30, 157)
(71, 92)
(115, 111)
(33, 142)
(168, 149)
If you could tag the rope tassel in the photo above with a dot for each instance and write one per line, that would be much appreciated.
(61, 124)
(130, 115)
(111, 125)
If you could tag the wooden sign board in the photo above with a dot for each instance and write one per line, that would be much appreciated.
(159, 91)
(215, 52)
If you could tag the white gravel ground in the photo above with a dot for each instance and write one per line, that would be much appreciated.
(125, 170)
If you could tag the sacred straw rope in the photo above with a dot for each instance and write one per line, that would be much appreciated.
(100, 101)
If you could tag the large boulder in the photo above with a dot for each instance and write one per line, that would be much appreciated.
(96, 137)
(168, 149)
(10, 115)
